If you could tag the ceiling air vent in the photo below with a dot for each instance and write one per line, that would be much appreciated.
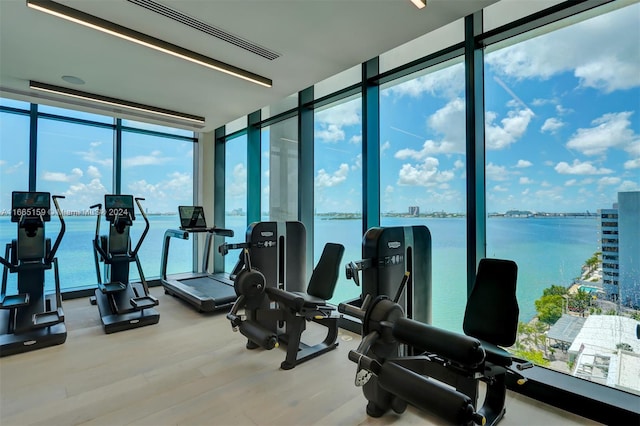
(205, 28)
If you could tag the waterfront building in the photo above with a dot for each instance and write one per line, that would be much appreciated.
(620, 244)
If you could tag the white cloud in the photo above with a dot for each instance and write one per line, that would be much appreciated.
(497, 173)
(153, 159)
(609, 131)
(580, 168)
(327, 180)
(632, 164)
(356, 139)
(172, 189)
(525, 181)
(551, 125)
(499, 188)
(599, 51)
(628, 185)
(609, 180)
(447, 82)
(385, 146)
(331, 121)
(95, 156)
(93, 172)
(510, 129)
(446, 121)
(571, 182)
(330, 133)
(62, 177)
(523, 164)
(458, 164)
(82, 195)
(238, 183)
(424, 174)
(11, 169)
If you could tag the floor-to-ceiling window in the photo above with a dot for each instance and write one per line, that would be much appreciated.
(562, 140)
(74, 157)
(235, 197)
(279, 171)
(338, 185)
(422, 174)
(14, 169)
(75, 161)
(158, 168)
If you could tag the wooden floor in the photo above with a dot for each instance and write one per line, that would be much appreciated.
(191, 369)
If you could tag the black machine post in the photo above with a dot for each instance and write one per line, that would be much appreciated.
(31, 319)
(387, 253)
(123, 305)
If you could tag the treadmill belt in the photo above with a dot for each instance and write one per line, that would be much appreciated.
(210, 287)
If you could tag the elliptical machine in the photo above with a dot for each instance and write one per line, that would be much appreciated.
(31, 319)
(122, 305)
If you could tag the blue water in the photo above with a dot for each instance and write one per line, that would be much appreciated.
(547, 250)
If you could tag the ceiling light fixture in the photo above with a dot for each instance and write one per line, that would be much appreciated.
(105, 100)
(420, 4)
(78, 17)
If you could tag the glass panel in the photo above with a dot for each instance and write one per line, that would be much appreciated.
(422, 175)
(283, 105)
(422, 46)
(160, 170)
(15, 104)
(63, 112)
(14, 176)
(338, 185)
(562, 134)
(337, 82)
(235, 197)
(74, 160)
(279, 171)
(506, 11)
(236, 125)
(157, 128)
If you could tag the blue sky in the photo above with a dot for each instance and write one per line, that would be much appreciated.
(562, 134)
(562, 127)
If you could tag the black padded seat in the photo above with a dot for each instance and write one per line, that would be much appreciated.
(309, 300)
(496, 354)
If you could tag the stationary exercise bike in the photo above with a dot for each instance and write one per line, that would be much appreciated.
(123, 305)
(31, 319)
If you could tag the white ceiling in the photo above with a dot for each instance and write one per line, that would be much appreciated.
(315, 38)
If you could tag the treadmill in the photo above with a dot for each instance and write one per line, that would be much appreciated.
(204, 291)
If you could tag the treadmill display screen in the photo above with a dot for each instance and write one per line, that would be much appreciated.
(192, 217)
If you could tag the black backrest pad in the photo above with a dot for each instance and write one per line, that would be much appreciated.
(492, 308)
(325, 275)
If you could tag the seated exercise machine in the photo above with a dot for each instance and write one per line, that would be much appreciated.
(204, 291)
(268, 307)
(122, 305)
(31, 319)
(443, 378)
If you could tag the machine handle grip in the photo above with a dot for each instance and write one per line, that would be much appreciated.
(134, 253)
(345, 308)
(98, 206)
(63, 228)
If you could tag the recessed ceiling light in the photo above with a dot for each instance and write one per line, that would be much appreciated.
(420, 4)
(72, 79)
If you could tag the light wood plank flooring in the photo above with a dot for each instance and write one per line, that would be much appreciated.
(191, 369)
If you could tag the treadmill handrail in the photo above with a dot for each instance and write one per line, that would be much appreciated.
(168, 234)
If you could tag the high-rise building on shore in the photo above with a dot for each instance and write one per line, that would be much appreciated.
(620, 244)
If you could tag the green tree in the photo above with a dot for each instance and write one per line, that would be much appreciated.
(549, 308)
(579, 301)
(554, 290)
